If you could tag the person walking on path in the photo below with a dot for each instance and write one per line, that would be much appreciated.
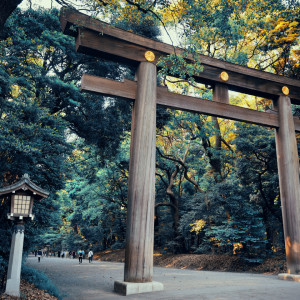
(39, 254)
(80, 255)
(90, 255)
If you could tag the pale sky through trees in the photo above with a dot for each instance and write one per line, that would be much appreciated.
(36, 3)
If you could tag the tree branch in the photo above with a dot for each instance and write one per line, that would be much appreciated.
(165, 204)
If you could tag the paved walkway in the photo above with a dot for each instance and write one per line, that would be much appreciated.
(95, 281)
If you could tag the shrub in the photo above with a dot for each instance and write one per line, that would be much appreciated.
(40, 280)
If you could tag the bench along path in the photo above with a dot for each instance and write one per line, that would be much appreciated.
(95, 281)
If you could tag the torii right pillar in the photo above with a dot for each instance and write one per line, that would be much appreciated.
(288, 169)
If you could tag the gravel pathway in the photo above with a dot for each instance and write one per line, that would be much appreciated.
(95, 282)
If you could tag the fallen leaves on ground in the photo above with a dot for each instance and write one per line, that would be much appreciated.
(208, 262)
(29, 292)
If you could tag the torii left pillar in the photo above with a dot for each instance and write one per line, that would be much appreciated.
(141, 189)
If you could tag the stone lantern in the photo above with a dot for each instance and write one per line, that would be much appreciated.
(22, 195)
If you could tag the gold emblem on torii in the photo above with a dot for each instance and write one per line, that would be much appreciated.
(285, 90)
(224, 76)
(149, 55)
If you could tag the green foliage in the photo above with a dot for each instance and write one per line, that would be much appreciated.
(238, 221)
(142, 24)
(176, 65)
(32, 140)
(242, 210)
(95, 214)
(261, 178)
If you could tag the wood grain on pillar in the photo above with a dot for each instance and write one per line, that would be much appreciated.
(288, 169)
(141, 186)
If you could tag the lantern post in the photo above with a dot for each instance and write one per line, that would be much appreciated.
(22, 195)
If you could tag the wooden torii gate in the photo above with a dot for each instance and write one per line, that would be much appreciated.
(100, 39)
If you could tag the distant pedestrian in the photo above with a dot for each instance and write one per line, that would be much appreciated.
(80, 255)
(90, 255)
(74, 254)
(39, 254)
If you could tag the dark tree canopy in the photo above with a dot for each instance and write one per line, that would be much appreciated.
(6, 9)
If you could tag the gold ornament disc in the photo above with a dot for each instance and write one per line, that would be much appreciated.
(285, 90)
(224, 76)
(149, 55)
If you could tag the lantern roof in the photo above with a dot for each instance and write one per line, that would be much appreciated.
(24, 184)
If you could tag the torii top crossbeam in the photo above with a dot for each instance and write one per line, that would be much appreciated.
(104, 40)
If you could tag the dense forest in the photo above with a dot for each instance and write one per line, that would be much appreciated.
(216, 180)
